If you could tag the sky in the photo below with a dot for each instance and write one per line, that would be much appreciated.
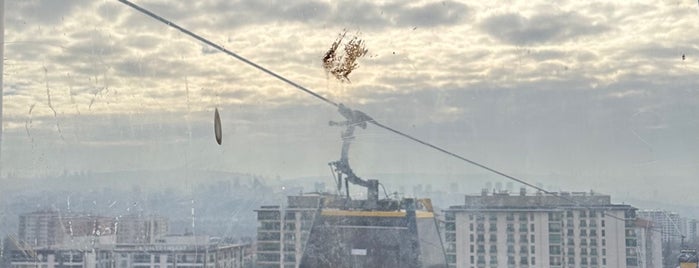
(575, 95)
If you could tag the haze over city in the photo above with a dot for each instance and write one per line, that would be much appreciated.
(577, 95)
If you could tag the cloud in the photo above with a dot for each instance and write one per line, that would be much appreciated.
(432, 14)
(516, 29)
(43, 11)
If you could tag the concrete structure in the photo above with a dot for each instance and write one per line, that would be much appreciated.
(570, 230)
(41, 228)
(46, 228)
(331, 231)
(140, 229)
(649, 244)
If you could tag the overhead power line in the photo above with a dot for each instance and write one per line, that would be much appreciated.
(328, 101)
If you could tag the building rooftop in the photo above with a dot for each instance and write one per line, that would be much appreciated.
(505, 200)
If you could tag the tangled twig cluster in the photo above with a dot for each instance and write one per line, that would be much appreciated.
(342, 65)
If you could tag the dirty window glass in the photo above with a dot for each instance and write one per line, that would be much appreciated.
(381, 133)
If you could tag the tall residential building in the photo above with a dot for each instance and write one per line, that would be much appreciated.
(282, 232)
(140, 229)
(671, 225)
(570, 230)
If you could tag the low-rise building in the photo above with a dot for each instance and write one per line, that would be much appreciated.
(184, 252)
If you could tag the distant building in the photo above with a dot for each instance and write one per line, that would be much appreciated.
(172, 252)
(670, 224)
(649, 244)
(140, 229)
(570, 230)
(47, 228)
(41, 228)
(693, 231)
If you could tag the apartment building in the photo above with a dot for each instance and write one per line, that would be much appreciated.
(579, 230)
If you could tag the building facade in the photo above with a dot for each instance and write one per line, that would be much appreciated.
(47, 228)
(650, 240)
(671, 225)
(571, 230)
(140, 229)
(158, 255)
(283, 231)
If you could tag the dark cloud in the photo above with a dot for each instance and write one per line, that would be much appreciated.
(542, 28)
(364, 14)
(432, 14)
(42, 11)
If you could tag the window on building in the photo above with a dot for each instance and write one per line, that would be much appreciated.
(524, 260)
(523, 239)
(523, 216)
(555, 250)
(523, 227)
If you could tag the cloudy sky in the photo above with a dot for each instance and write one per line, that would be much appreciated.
(578, 95)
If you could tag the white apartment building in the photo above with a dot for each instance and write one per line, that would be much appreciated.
(283, 231)
(578, 230)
